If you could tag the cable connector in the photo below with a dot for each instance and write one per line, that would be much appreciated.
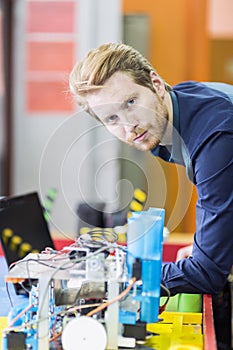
(137, 269)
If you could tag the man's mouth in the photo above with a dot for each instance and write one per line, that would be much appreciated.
(141, 137)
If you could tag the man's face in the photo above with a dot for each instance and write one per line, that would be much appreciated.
(131, 112)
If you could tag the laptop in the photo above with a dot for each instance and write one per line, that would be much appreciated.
(23, 229)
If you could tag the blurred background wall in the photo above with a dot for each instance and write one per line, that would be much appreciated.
(45, 142)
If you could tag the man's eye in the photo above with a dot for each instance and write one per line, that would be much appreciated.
(130, 102)
(112, 119)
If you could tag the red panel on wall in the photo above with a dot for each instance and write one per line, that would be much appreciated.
(51, 96)
(53, 57)
(50, 16)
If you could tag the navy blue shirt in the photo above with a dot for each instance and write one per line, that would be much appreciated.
(203, 142)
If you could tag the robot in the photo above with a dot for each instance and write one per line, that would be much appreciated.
(94, 294)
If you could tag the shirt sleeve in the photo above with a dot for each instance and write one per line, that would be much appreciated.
(207, 269)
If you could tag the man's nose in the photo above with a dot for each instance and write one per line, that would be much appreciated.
(130, 127)
(128, 123)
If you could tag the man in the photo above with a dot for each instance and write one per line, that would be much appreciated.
(190, 124)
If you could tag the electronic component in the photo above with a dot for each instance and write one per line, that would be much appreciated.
(137, 331)
(94, 286)
(16, 340)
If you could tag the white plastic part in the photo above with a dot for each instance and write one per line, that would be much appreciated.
(125, 342)
(84, 333)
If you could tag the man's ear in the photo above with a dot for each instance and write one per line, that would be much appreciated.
(157, 83)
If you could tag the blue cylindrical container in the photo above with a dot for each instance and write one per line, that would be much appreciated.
(144, 241)
(151, 271)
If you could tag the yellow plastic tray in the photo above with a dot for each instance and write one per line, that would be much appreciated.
(177, 331)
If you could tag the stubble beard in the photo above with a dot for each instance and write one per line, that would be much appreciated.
(156, 130)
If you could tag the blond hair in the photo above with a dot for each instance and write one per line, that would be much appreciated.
(101, 63)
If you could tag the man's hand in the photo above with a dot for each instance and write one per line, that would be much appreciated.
(184, 252)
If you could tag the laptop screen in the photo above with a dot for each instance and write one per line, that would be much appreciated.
(23, 227)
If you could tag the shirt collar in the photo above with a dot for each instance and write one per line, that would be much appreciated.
(169, 153)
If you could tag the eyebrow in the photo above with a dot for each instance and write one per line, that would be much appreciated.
(121, 105)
